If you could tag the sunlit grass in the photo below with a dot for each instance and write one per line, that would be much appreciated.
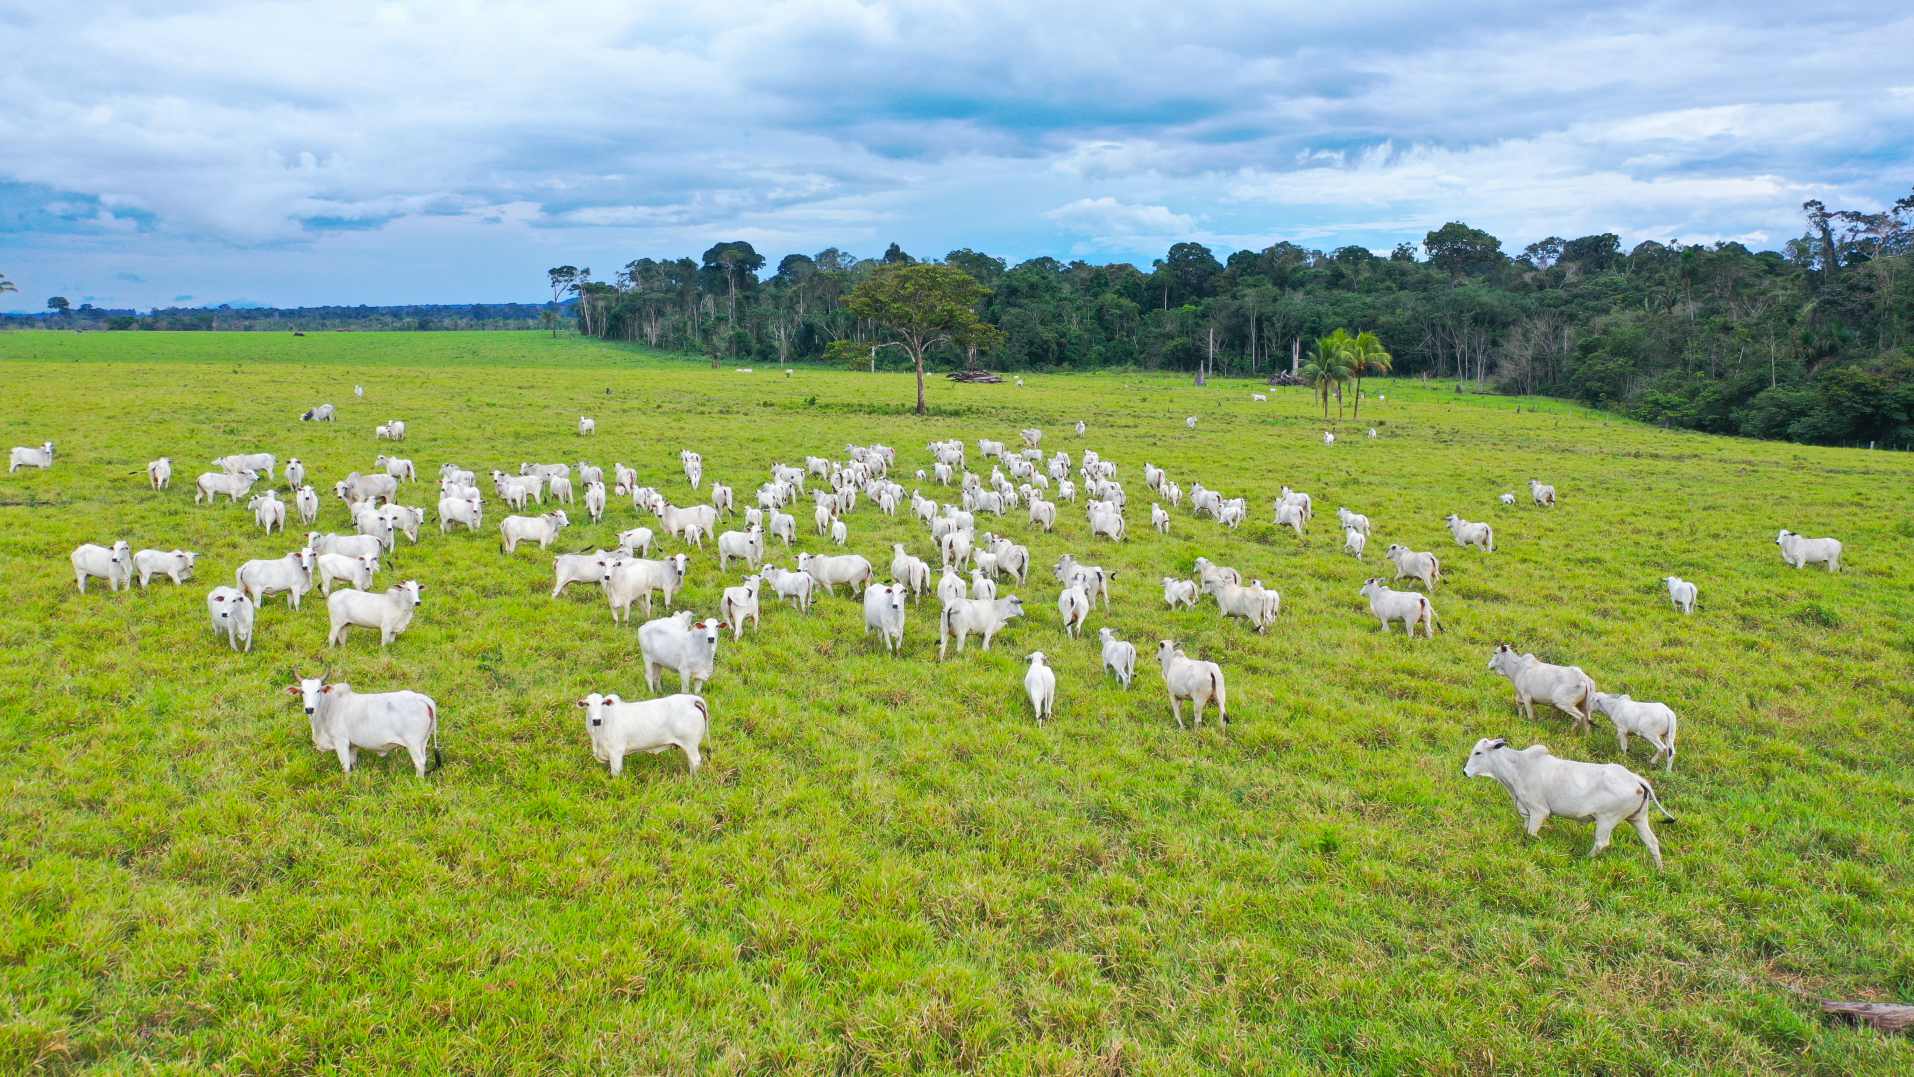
(884, 864)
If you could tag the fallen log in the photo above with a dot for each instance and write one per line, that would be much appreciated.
(976, 377)
(1886, 1016)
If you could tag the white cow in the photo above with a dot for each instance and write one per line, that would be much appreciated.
(587, 425)
(1197, 681)
(796, 586)
(269, 511)
(1179, 592)
(677, 642)
(390, 611)
(232, 616)
(247, 461)
(570, 568)
(1119, 656)
(1094, 579)
(884, 611)
(618, 728)
(1652, 722)
(1414, 565)
(1481, 536)
(357, 487)
(950, 587)
(1190, 422)
(159, 473)
(833, 569)
(1409, 607)
(1565, 687)
(1107, 521)
(560, 487)
(295, 473)
(1352, 521)
(356, 570)
(398, 467)
(514, 529)
(1354, 541)
(460, 510)
(1159, 519)
(1040, 684)
(1290, 514)
(910, 571)
(344, 721)
(748, 545)
(783, 525)
(632, 578)
(114, 564)
(840, 534)
(1543, 493)
(739, 604)
(1074, 606)
(1506, 499)
(175, 565)
(986, 617)
(291, 574)
(27, 456)
(1681, 593)
(982, 586)
(352, 545)
(1253, 603)
(1800, 552)
(211, 484)
(1542, 785)
(1205, 572)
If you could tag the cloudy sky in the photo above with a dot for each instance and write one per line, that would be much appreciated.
(178, 152)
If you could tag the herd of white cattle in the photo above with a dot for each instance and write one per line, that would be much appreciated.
(345, 722)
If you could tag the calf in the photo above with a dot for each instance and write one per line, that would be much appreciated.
(390, 612)
(986, 617)
(113, 564)
(355, 570)
(1681, 593)
(159, 473)
(514, 529)
(1119, 656)
(1481, 536)
(1040, 684)
(910, 571)
(1800, 552)
(635, 541)
(175, 565)
(1410, 608)
(1421, 566)
(1179, 592)
(740, 603)
(677, 642)
(1354, 541)
(1074, 606)
(1543, 493)
(982, 586)
(232, 616)
(344, 721)
(796, 586)
(950, 587)
(1565, 687)
(570, 568)
(291, 574)
(1506, 499)
(1652, 722)
(618, 728)
(595, 501)
(627, 579)
(398, 467)
(1542, 785)
(1352, 521)
(42, 457)
(1290, 514)
(588, 425)
(884, 611)
(1187, 678)
(307, 502)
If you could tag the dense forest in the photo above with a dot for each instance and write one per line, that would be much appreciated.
(1814, 342)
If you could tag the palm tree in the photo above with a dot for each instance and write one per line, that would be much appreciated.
(1328, 366)
(1367, 356)
(6, 285)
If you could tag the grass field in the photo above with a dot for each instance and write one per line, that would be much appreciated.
(884, 865)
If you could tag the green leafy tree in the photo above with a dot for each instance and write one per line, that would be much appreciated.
(6, 285)
(1461, 251)
(562, 280)
(736, 261)
(59, 305)
(1367, 356)
(1328, 366)
(920, 306)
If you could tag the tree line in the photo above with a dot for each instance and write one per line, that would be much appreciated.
(1813, 342)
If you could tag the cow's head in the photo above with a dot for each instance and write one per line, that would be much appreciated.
(1478, 764)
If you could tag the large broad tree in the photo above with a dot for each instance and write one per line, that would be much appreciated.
(7, 285)
(562, 279)
(736, 261)
(1461, 251)
(920, 306)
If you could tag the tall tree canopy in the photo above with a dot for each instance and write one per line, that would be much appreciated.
(919, 306)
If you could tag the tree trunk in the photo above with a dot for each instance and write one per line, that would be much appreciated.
(917, 354)
(1358, 395)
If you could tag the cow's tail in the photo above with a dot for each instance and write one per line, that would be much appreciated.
(1428, 615)
(943, 631)
(1435, 566)
(1648, 796)
(1222, 706)
(432, 713)
(705, 713)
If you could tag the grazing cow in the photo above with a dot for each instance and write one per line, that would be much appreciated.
(356, 570)
(627, 579)
(1481, 536)
(570, 568)
(1093, 578)
(1205, 572)
(295, 473)
(635, 541)
(398, 467)
(1253, 603)
(1507, 499)
(1543, 785)
(587, 425)
(740, 603)
(910, 571)
(748, 545)
(982, 586)
(159, 473)
(1800, 552)
(722, 498)
(175, 565)
(113, 564)
(250, 461)
(625, 479)
(833, 569)
(351, 545)
(1352, 521)
(1421, 566)
(291, 574)
(784, 526)
(1565, 687)
(840, 534)
(1354, 541)
(595, 501)
(1290, 514)
(1040, 684)
(884, 611)
(269, 511)
(357, 487)
(1119, 656)
(27, 456)
(1179, 592)
(950, 587)
(1108, 521)
(344, 721)
(460, 510)
(1074, 606)
(1409, 607)
(1159, 519)
(986, 617)
(232, 616)
(677, 642)
(1681, 593)
(560, 487)
(544, 529)
(796, 586)
(1543, 493)
(618, 728)
(1187, 678)
(1652, 722)
(211, 484)
(390, 612)
(396, 429)
(1043, 513)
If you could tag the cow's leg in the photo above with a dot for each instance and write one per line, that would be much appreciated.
(1640, 820)
(1176, 710)
(1536, 818)
(1604, 826)
(1621, 736)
